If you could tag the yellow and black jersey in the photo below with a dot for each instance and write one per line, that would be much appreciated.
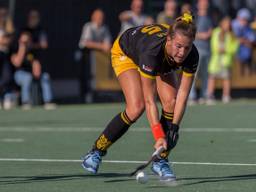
(145, 46)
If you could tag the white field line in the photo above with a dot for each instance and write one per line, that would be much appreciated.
(12, 140)
(133, 129)
(121, 162)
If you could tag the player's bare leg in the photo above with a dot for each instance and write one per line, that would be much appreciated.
(167, 90)
(131, 87)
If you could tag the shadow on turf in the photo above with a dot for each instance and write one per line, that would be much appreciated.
(11, 180)
(218, 179)
(200, 180)
(118, 177)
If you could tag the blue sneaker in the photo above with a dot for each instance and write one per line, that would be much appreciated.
(91, 161)
(163, 169)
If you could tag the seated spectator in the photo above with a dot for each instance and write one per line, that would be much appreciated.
(133, 17)
(27, 69)
(169, 13)
(247, 38)
(39, 40)
(95, 36)
(7, 96)
(223, 48)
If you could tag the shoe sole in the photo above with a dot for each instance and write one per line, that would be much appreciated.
(168, 179)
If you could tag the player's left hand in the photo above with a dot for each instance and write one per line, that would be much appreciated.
(172, 136)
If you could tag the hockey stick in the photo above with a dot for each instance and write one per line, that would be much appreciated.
(154, 157)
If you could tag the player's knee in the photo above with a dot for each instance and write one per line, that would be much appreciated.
(168, 104)
(135, 110)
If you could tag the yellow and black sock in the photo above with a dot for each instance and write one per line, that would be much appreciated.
(114, 130)
(166, 121)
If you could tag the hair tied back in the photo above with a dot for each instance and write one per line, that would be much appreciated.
(187, 17)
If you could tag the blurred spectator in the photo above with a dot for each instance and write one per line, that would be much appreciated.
(133, 17)
(38, 34)
(186, 7)
(6, 23)
(149, 20)
(246, 36)
(253, 26)
(7, 96)
(95, 36)
(169, 13)
(202, 42)
(223, 49)
(29, 69)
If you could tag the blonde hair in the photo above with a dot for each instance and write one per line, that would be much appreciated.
(185, 25)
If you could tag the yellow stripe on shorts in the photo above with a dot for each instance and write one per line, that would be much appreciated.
(146, 75)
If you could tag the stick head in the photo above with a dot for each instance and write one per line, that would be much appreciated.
(155, 156)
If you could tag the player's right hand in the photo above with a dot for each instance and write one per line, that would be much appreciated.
(173, 136)
(161, 142)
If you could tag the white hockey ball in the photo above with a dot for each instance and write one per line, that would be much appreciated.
(141, 177)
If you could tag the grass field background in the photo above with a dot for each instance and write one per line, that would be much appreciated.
(40, 150)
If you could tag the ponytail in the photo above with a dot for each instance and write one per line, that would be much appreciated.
(185, 25)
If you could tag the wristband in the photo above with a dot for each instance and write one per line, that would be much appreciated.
(157, 131)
